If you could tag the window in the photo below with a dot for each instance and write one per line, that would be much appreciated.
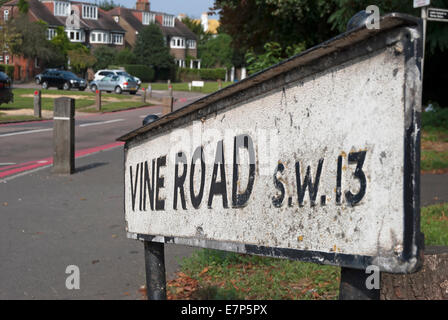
(177, 42)
(61, 8)
(168, 21)
(191, 44)
(51, 33)
(5, 15)
(100, 37)
(75, 36)
(117, 39)
(89, 12)
(148, 18)
(93, 37)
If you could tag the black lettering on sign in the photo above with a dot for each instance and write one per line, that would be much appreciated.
(134, 185)
(196, 199)
(242, 141)
(358, 158)
(179, 181)
(278, 200)
(308, 183)
(141, 187)
(149, 185)
(218, 188)
(160, 203)
(338, 181)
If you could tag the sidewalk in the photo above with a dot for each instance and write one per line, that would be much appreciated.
(49, 222)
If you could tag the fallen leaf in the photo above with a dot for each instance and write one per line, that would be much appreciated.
(203, 271)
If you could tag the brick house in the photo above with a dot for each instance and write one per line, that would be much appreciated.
(181, 41)
(83, 22)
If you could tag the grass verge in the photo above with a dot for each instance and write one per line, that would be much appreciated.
(212, 274)
(209, 87)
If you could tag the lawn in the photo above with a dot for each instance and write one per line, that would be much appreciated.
(213, 274)
(209, 87)
(434, 141)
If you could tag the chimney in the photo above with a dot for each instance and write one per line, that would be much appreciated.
(142, 5)
(204, 21)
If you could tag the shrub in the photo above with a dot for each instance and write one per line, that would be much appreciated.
(143, 72)
(188, 75)
(436, 119)
(8, 69)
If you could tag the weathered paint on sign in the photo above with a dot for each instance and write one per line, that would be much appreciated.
(314, 166)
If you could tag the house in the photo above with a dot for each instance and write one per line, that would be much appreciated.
(181, 41)
(83, 22)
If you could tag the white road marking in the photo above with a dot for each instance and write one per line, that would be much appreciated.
(24, 132)
(100, 122)
(157, 114)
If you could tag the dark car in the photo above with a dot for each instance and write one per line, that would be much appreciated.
(6, 94)
(62, 80)
(38, 78)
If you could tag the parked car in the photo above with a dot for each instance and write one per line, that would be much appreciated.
(118, 84)
(6, 95)
(103, 73)
(62, 80)
(38, 78)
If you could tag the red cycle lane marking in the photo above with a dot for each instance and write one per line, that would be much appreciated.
(26, 166)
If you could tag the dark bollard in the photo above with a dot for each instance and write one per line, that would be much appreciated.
(98, 100)
(38, 104)
(64, 136)
(155, 270)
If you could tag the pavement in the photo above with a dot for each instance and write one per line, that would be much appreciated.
(49, 222)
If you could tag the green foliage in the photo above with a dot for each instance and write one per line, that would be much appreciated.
(273, 54)
(106, 5)
(150, 50)
(8, 69)
(143, 72)
(61, 41)
(188, 75)
(435, 119)
(23, 6)
(216, 52)
(125, 56)
(81, 59)
(105, 56)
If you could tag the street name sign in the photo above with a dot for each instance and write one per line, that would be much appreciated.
(314, 159)
(435, 14)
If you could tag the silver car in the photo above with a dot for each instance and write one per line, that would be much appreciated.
(114, 83)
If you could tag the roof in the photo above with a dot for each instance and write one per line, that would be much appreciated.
(41, 12)
(342, 42)
(179, 29)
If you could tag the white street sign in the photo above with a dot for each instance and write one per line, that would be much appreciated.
(421, 3)
(314, 159)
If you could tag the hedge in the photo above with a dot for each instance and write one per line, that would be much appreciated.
(187, 75)
(8, 69)
(143, 72)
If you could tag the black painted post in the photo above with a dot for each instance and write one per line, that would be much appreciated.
(64, 136)
(353, 286)
(155, 270)
(38, 104)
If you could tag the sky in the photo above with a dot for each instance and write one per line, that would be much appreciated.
(192, 8)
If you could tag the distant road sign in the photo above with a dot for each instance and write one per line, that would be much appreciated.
(421, 3)
(435, 14)
(315, 159)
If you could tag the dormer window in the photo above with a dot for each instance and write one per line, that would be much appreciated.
(90, 12)
(148, 18)
(61, 8)
(168, 21)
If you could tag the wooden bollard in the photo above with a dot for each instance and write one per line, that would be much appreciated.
(219, 84)
(149, 91)
(167, 103)
(98, 100)
(170, 90)
(64, 136)
(38, 104)
(143, 95)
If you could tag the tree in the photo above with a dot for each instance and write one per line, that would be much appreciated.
(105, 56)
(81, 59)
(23, 6)
(150, 50)
(216, 52)
(125, 56)
(107, 5)
(32, 42)
(196, 27)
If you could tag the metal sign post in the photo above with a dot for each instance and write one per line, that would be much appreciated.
(313, 159)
